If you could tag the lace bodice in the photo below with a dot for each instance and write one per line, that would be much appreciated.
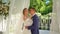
(28, 22)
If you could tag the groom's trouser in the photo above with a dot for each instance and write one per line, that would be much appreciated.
(35, 31)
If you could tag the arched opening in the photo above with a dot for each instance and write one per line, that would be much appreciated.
(11, 17)
(44, 11)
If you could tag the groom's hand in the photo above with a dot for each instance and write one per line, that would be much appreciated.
(26, 27)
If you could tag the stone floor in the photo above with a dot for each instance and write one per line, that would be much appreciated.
(44, 31)
(48, 32)
(41, 32)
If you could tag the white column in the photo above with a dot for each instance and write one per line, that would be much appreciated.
(58, 13)
(1, 23)
(54, 29)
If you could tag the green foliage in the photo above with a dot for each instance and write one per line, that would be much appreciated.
(44, 11)
(4, 8)
(42, 6)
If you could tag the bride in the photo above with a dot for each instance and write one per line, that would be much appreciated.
(27, 21)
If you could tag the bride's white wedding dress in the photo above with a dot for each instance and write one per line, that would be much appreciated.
(27, 22)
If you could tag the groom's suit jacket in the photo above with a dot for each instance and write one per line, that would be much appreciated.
(34, 27)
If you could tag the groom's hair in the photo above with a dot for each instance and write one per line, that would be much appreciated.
(32, 8)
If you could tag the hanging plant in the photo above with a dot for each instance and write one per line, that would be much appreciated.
(4, 9)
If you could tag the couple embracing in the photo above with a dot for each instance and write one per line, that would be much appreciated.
(31, 21)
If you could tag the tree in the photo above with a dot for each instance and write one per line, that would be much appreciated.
(42, 6)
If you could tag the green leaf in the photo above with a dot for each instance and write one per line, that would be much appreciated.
(38, 1)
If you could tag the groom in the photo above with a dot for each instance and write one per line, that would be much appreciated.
(34, 27)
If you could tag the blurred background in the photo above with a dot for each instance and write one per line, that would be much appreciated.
(44, 9)
(4, 11)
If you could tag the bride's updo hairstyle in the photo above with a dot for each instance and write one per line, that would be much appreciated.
(24, 10)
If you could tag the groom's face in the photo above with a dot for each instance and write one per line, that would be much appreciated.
(32, 11)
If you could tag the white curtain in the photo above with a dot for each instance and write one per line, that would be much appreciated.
(15, 21)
